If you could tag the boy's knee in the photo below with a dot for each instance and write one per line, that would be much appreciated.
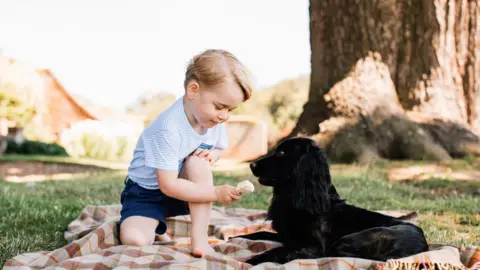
(196, 163)
(197, 169)
(133, 237)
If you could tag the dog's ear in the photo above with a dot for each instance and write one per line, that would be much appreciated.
(312, 173)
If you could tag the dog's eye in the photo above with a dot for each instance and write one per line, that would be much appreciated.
(280, 153)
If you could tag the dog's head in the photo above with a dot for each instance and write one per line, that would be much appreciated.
(300, 168)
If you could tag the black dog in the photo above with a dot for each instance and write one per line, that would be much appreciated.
(312, 221)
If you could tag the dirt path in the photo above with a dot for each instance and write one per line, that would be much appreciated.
(24, 171)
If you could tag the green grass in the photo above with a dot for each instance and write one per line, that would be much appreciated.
(34, 217)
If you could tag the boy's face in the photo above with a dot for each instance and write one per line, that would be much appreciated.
(212, 105)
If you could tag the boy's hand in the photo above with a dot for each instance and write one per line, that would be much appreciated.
(226, 194)
(209, 155)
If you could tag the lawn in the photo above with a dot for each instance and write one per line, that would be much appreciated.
(35, 216)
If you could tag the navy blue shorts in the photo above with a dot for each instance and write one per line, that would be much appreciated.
(139, 201)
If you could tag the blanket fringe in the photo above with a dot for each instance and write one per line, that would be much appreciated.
(399, 265)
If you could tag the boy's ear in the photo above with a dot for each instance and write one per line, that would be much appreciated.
(193, 88)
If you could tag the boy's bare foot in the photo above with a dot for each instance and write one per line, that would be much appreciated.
(163, 239)
(200, 252)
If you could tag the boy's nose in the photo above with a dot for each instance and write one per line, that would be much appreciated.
(224, 116)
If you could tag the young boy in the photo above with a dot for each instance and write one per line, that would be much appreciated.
(170, 173)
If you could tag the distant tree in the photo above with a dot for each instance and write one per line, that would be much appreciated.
(151, 104)
(16, 105)
(396, 79)
(286, 101)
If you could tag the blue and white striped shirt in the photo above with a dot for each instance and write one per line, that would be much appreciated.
(167, 141)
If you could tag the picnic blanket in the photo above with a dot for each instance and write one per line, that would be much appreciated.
(93, 243)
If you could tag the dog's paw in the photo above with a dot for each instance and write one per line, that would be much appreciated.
(254, 260)
(259, 258)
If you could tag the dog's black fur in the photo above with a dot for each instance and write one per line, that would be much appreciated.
(312, 221)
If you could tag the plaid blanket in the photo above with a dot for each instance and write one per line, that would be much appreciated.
(93, 244)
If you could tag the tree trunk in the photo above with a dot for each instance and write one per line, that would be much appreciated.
(377, 65)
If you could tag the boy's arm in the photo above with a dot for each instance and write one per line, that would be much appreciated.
(189, 191)
(183, 189)
(162, 153)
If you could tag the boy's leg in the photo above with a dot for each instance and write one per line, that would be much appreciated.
(138, 231)
(198, 170)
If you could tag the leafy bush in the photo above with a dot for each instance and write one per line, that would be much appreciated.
(279, 105)
(35, 148)
(38, 130)
(101, 140)
(286, 101)
(14, 105)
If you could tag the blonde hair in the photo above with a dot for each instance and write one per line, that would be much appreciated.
(213, 66)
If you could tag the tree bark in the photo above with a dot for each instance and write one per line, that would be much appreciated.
(389, 60)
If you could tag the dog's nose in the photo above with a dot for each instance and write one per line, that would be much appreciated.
(253, 165)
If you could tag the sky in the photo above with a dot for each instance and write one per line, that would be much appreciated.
(111, 51)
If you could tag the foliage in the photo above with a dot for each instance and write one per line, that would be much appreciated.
(279, 105)
(101, 140)
(15, 104)
(38, 130)
(286, 101)
(21, 102)
(28, 147)
(151, 104)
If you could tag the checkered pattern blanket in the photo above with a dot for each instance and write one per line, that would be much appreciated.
(93, 244)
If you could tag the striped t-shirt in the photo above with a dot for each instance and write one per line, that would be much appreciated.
(167, 141)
